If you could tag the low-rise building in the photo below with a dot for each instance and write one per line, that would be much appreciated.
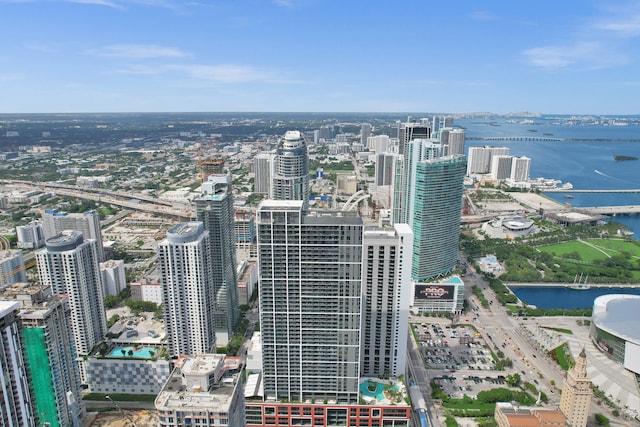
(445, 296)
(381, 403)
(203, 390)
(509, 415)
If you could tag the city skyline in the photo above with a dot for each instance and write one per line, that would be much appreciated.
(304, 55)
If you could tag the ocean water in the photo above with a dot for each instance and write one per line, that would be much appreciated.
(585, 158)
(550, 297)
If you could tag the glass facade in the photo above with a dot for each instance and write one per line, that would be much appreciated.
(437, 204)
(309, 282)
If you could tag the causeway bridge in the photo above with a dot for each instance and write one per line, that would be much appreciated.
(562, 190)
(517, 138)
(610, 210)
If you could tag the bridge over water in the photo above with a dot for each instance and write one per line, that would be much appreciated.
(610, 210)
(562, 190)
(517, 138)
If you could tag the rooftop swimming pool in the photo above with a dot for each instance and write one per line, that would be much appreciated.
(453, 280)
(367, 389)
(144, 352)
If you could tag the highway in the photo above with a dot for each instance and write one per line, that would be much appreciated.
(135, 201)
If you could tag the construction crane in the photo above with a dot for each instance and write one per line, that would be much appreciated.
(18, 270)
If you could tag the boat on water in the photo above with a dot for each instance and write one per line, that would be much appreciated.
(623, 158)
(568, 196)
(579, 285)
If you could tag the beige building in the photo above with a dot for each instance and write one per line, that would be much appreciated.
(508, 415)
(576, 393)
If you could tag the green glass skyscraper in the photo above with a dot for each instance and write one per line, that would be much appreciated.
(434, 215)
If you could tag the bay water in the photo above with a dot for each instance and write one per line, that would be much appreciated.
(584, 157)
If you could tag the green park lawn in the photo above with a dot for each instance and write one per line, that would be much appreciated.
(616, 246)
(587, 253)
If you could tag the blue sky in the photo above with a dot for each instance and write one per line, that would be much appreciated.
(560, 56)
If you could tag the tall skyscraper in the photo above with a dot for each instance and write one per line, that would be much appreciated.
(434, 215)
(17, 407)
(520, 169)
(411, 130)
(262, 169)
(113, 276)
(30, 236)
(378, 143)
(188, 300)
(214, 208)
(50, 353)
(365, 132)
(310, 267)
(386, 282)
(11, 268)
(405, 186)
(290, 179)
(456, 141)
(501, 167)
(576, 393)
(480, 158)
(69, 264)
(54, 222)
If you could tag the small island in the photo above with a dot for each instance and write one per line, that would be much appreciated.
(621, 158)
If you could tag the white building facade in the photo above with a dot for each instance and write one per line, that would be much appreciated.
(188, 300)
(386, 296)
(69, 264)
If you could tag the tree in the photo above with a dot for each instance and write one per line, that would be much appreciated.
(113, 319)
(513, 379)
(601, 420)
(110, 301)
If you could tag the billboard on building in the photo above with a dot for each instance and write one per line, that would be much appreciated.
(435, 291)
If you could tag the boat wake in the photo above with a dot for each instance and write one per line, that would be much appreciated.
(609, 176)
(602, 174)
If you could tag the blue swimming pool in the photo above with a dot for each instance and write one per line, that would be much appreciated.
(141, 352)
(377, 393)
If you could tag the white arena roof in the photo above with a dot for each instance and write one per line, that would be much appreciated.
(618, 314)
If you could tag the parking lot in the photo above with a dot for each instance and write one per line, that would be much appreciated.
(451, 348)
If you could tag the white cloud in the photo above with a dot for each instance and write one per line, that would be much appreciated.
(549, 56)
(96, 2)
(225, 73)
(116, 4)
(584, 54)
(625, 27)
(137, 51)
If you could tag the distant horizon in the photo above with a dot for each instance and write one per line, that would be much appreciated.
(408, 113)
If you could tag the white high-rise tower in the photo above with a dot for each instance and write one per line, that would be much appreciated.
(17, 407)
(187, 292)
(290, 179)
(214, 208)
(386, 282)
(69, 264)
